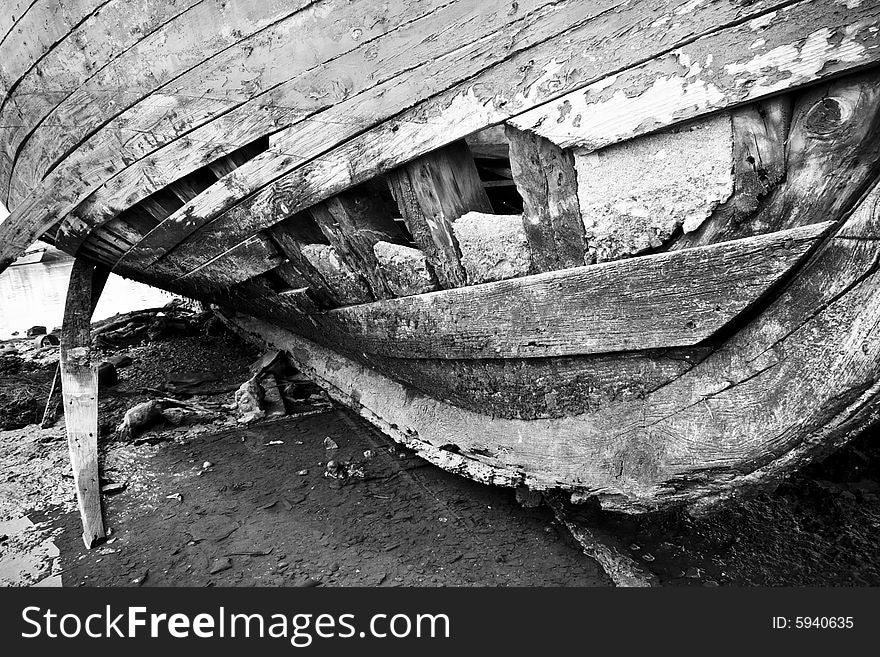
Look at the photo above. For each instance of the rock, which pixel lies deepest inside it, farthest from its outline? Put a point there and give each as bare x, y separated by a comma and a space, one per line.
493, 246
138, 417
120, 361
220, 565
206, 465
329, 443
303, 473
113, 489
406, 270
635, 195
34, 331
248, 399
175, 416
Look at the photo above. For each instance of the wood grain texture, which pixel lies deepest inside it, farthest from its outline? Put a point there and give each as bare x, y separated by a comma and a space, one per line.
501, 90
664, 300
353, 222
711, 73
478, 102
77, 40
159, 86
547, 181
79, 385
347, 37
432, 192
797, 381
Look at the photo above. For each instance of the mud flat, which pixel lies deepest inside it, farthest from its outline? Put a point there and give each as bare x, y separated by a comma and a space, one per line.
273, 502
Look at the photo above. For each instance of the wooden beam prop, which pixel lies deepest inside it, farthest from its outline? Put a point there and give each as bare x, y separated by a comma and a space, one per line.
547, 181
432, 192
79, 385
664, 300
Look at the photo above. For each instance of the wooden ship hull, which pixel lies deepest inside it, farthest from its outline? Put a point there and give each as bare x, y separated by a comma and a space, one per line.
625, 251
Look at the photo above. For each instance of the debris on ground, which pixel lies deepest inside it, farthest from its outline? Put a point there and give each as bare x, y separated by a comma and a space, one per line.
315, 496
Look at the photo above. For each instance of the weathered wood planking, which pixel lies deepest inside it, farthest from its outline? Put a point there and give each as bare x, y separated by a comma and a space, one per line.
317, 83
658, 301
79, 385
34, 26
308, 92
41, 24
163, 74
353, 222
547, 181
433, 192
502, 89
585, 29
15, 10
70, 61
797, 381
393, 83
755, 59
478, 102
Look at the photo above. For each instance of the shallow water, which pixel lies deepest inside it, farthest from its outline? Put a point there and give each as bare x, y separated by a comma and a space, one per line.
34, 295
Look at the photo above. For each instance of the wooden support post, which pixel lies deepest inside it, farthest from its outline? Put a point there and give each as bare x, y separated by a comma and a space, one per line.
79, 384
432, 192
547, 181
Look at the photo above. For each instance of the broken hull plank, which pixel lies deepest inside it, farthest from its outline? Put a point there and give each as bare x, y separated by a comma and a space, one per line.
797, 381
442, 77
489, 99
659, 301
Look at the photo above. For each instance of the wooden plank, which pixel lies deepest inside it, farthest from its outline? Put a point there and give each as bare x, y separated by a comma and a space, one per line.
79, 384
65, 33
303, 99
432, 192
481, 101
353, 222
252, 257
169, 63
245, 72
797, 381
349, 286
547, 181
695, 80
291, 235
658, 301
582, 24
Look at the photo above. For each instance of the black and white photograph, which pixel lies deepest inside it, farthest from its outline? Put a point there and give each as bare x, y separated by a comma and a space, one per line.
438, 294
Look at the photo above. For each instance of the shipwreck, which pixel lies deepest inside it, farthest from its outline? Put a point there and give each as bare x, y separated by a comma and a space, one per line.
624, 250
